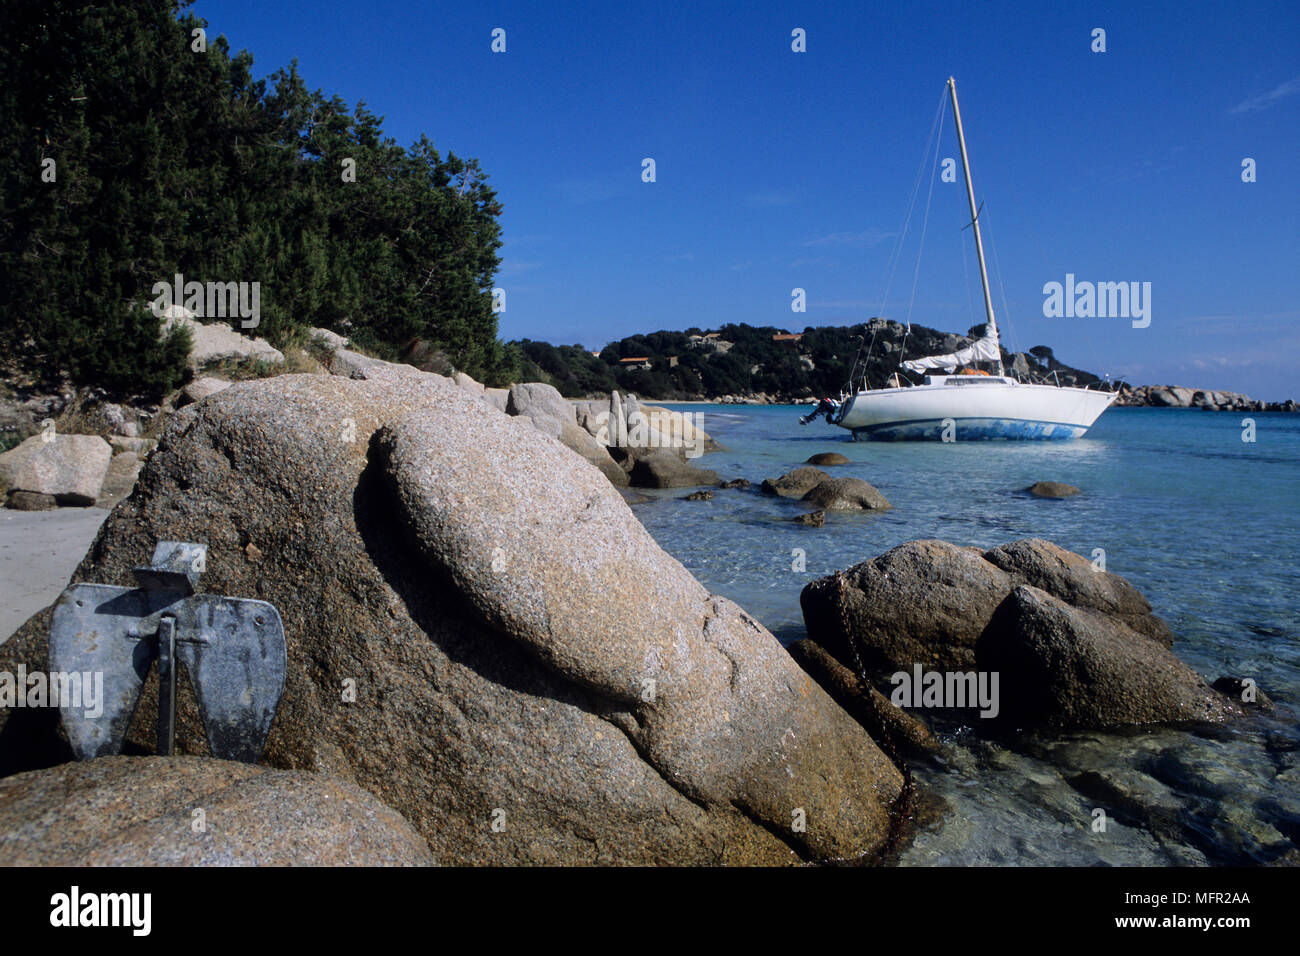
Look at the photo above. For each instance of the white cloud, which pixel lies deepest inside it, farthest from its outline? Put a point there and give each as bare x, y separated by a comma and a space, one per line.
1264, 100
868, 237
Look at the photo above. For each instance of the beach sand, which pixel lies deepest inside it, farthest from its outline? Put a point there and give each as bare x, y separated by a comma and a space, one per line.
39, 550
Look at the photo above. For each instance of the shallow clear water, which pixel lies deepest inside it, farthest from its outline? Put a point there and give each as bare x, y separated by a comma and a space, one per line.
1201, 522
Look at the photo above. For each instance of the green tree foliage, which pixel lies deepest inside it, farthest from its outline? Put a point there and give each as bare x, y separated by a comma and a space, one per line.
172, 160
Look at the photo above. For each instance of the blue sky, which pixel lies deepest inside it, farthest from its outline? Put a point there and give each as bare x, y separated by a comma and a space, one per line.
777, 170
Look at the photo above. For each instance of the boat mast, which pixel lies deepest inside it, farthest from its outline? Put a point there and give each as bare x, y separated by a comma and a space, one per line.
975, 221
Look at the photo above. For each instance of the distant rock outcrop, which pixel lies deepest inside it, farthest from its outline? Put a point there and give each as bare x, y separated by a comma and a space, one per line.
1179, 396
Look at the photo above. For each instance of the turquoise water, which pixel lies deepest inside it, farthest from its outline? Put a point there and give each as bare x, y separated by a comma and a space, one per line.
1201, 522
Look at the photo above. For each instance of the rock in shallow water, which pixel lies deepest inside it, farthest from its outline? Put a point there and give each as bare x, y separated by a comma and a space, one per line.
929, 601
1051, 489
517, 646
666, 469
139, 811
795, 484
1075, 646
1068, 667
816, 519
847, 494
827, 458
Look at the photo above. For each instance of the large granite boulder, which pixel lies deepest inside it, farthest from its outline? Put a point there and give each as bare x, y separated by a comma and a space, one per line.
70, 468
1068, 668
538, 398
922, 602
195, 811
929, 601
871, 708
488, 642
1077, 581
553, 414
120, 479
471, 385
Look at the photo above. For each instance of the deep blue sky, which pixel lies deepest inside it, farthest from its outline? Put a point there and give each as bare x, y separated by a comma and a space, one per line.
777, 169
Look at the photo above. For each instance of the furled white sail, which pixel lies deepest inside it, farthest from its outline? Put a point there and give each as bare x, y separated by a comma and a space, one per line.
981, 350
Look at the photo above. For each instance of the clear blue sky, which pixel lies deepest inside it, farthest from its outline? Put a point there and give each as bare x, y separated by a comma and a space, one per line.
778, 170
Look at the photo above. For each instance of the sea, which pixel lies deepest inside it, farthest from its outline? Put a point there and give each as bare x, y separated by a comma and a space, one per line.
1197, 509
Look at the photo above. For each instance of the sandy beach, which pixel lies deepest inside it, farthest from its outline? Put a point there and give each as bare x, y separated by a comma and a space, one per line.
38, 552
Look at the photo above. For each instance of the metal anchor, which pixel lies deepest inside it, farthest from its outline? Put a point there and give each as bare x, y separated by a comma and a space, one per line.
233, 649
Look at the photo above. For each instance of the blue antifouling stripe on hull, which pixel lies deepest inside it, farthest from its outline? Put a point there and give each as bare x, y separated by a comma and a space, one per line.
972, 429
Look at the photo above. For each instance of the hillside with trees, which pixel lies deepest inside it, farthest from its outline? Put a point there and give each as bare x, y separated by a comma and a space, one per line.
763, 362
153, 151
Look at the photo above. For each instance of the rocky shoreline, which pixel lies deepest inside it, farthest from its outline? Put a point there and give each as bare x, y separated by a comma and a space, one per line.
456, 568
1178, 396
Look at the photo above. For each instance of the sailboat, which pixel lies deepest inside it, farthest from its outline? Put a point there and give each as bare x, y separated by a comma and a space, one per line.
966, 407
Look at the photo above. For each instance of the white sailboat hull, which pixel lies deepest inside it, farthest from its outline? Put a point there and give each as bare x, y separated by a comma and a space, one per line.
973, 408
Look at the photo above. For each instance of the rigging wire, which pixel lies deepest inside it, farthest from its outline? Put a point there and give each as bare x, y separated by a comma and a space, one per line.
897, 254
925, 224
936, 134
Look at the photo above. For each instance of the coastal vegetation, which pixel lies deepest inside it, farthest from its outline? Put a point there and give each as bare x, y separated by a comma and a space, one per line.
153, 151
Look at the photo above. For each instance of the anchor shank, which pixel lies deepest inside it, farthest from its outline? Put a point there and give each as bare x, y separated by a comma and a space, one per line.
166, 685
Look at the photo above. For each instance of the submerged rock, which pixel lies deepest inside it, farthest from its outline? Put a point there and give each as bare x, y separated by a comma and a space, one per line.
1244, 692
1051, 489
737, 483
699, 496
847, 494
139, 811
795, 484
827, 458
815, 518
488, 642
1077, 581
924, 601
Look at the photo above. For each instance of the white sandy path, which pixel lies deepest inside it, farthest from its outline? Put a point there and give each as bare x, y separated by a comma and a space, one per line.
39, 550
